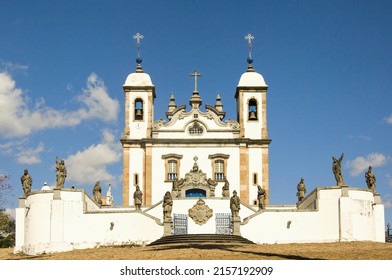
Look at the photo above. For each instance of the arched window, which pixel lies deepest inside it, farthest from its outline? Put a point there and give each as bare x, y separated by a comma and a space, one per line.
138, 110
252, 110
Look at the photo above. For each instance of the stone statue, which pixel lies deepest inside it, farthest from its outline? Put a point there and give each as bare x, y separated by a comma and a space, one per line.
97, 193
337, 170
167, 207
138, 198
225, 188
176, 189
370, 179
301, 190
261, 197
235, 205
109, 197
61, 173
26, 182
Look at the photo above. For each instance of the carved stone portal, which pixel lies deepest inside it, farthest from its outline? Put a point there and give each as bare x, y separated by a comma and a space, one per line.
195, 179
200, 212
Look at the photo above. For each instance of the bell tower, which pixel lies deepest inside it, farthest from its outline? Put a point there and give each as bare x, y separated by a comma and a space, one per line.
251, 96
139, 94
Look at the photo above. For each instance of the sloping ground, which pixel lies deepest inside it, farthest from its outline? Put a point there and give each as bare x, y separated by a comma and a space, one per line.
224, 251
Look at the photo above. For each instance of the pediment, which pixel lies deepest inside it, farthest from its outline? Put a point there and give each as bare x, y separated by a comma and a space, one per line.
181, 120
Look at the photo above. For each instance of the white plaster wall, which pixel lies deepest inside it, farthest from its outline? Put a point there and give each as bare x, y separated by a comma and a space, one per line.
255, 166
136, 165
61, 225
54, 225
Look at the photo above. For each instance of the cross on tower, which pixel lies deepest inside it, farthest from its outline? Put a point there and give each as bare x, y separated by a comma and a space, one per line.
138, 37
249, 37
195, 74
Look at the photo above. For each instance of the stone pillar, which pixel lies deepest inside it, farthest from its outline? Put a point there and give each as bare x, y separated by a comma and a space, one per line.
167, 227
22, 202
57, 194
236, 225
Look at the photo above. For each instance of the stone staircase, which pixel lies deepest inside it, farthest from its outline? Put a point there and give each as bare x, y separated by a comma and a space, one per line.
201, 239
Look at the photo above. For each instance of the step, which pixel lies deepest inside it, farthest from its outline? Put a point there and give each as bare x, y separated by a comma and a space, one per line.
201, 238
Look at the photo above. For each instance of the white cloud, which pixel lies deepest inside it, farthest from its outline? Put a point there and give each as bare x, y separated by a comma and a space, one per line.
22, 153
30, 155
359, 164
90, 165
389, 119
13, 67
18, 120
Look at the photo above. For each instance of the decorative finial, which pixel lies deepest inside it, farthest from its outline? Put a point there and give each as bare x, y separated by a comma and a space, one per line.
138, 37
250, 37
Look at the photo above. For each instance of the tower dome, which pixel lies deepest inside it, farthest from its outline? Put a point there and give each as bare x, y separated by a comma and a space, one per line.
252, 79
138, 79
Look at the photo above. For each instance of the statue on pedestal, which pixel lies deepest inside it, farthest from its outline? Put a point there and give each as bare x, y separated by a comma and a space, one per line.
301, 190
167, 207
138, 198
337, 170
261, 197
235, 205
97, 193
370, 179
61, 173
26, 182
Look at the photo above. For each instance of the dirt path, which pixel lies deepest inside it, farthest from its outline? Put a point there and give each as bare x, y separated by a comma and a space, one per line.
324, 251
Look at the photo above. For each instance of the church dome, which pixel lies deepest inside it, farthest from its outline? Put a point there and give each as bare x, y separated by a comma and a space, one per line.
138, 79
251, 79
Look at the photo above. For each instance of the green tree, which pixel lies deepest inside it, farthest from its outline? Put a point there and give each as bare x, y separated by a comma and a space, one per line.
7, 223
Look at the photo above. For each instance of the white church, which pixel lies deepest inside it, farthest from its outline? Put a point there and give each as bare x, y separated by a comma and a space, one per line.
200, 158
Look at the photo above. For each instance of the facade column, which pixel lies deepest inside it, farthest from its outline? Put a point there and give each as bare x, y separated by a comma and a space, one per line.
244, 173
125, 187
147, 189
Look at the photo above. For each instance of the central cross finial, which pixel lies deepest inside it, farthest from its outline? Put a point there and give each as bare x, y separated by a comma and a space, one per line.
250, 37
138, 37
195, 74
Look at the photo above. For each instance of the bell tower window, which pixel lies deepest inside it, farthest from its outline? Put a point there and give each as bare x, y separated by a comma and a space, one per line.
138, 110
252, 110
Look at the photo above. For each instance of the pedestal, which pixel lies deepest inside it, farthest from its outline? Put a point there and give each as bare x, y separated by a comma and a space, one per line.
236, 222
167, 228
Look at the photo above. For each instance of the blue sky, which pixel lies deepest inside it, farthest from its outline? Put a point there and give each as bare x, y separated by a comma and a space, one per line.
327, 63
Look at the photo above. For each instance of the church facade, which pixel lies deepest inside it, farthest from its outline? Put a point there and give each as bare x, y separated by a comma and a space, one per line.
194, 173
158, 154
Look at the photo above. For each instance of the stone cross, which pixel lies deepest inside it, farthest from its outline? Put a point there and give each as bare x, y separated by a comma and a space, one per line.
195, 74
